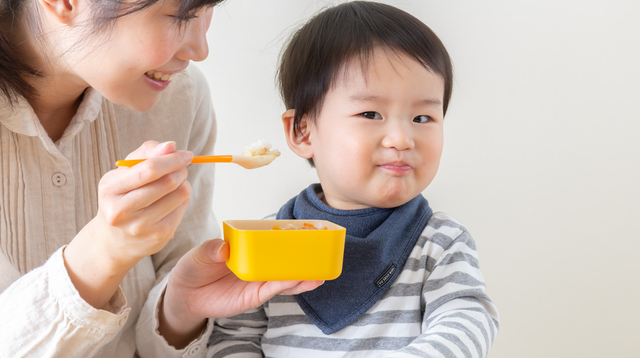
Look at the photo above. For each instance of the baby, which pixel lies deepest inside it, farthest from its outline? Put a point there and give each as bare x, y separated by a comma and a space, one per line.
367, 86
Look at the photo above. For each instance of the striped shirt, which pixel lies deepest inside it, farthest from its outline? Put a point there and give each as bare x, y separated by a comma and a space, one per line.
437, 307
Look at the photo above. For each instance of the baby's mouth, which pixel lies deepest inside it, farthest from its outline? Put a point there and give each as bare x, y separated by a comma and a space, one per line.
159, 76
398, 168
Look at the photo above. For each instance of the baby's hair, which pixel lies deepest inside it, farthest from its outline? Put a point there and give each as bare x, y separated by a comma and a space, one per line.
13, 70
320, 50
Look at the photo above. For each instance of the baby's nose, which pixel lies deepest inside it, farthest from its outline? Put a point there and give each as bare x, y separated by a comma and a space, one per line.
398, 134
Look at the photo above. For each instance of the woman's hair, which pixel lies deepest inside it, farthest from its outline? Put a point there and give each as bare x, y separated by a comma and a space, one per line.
319, 51
14, 72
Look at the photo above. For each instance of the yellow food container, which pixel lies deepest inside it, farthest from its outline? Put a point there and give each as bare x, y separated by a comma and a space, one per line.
259, 253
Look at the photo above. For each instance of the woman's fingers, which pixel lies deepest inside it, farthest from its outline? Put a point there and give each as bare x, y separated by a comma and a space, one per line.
151, 148
148, 171
214, 252
169, 203
170, 219
151, 202
141, 207
201, 285
150, 194
272, 288
301, 287
144, 172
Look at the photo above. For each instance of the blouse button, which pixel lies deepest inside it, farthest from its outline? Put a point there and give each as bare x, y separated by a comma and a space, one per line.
194, 351
59, 179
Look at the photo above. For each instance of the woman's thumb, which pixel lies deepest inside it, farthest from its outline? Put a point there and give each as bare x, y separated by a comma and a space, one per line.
211, 252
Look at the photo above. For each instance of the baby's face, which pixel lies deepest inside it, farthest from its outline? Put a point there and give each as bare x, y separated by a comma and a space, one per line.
378, 138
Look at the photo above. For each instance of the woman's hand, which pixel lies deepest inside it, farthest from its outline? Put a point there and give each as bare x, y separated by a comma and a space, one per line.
139, 210
142, 206
201, 285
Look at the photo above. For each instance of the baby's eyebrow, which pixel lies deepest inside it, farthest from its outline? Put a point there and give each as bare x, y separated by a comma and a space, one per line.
430, 101
364, 98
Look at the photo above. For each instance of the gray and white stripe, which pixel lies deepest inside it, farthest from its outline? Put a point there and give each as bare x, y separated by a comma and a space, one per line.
437, 307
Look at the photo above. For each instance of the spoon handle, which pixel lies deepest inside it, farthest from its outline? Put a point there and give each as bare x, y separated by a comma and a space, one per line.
196, 160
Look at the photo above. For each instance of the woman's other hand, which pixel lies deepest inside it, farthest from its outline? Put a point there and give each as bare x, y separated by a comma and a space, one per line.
201, 285
139, 210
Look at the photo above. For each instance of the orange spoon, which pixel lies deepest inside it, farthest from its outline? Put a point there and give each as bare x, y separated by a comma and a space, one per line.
245, 161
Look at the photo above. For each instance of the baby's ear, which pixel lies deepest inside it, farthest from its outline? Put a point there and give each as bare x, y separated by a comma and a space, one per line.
62, 10
300, 142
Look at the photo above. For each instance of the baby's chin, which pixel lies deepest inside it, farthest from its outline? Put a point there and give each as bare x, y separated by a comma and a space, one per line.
388, 202
395, 198
360, 203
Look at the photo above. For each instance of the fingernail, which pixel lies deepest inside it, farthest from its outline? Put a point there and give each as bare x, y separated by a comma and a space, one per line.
220, 247
167, 144
188, 156
217, 250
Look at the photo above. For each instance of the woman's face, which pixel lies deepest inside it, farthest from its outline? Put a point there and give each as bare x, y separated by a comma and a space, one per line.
133, 62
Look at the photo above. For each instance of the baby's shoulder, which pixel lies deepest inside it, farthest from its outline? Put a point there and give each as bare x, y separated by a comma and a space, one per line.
443, 230
444, 223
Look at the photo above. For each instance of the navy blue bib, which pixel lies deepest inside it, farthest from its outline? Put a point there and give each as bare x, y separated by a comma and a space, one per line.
378, 243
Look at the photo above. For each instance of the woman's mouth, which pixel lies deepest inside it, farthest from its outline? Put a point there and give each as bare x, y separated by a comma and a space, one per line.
158, 81
159, 76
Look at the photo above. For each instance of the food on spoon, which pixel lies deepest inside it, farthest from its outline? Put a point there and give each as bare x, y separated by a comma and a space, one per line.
260, 147
305, 226
256, 155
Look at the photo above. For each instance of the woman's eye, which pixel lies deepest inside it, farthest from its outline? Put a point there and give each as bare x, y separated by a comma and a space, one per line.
371, 115
421, 119
183, 19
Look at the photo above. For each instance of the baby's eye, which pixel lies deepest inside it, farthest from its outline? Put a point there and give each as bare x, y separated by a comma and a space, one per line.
371, 115
421, 119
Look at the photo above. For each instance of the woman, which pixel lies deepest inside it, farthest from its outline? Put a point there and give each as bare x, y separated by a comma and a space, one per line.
85, 249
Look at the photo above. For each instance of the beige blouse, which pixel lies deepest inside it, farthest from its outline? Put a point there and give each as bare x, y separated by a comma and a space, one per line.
49, 192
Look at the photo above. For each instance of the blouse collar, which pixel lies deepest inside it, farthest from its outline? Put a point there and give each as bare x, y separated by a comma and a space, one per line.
20, 118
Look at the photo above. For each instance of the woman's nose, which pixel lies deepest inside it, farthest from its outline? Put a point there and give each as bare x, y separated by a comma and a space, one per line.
194, 45
398, 134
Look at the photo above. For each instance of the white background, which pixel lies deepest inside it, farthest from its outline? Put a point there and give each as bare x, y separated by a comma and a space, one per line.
541, 159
